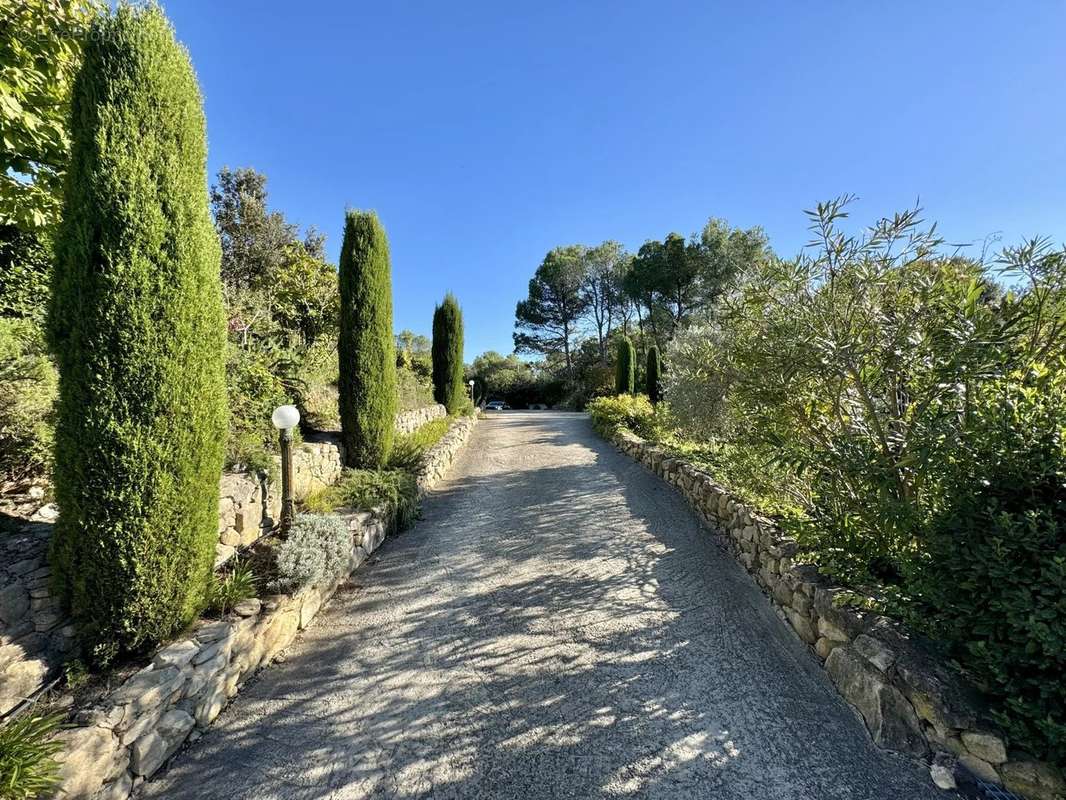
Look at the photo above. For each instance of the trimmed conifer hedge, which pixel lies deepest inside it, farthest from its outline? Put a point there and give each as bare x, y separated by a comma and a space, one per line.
625, 378
138, 330
448, 388
366, 347
653, 374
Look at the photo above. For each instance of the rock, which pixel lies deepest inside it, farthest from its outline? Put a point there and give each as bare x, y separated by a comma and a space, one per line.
145, 692
985, 746
942, 771
48, 513
823, 647
877, 653
802, 604
87, 759
177, 654
830, 631
223, 553
280, 632
783, 594
14, 603
213, 649
212, 631
230, 538
802, 625
1034, 780
889, 717
118, 789
35, 493
151, 750
312, 602
980, 768
19, 681
248, 608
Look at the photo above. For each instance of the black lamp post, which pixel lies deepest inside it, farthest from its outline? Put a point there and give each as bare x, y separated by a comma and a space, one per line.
285, 418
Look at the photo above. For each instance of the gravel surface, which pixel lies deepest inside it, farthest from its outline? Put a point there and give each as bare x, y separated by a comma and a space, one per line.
558, 625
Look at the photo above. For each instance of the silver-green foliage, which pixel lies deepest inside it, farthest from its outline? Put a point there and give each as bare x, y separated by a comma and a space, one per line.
315, 552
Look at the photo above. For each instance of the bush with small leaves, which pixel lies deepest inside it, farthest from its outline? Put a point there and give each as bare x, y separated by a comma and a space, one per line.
315, 552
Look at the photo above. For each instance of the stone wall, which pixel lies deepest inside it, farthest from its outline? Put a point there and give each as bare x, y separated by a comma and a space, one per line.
122, 740
909, 699
35, 638
409, 421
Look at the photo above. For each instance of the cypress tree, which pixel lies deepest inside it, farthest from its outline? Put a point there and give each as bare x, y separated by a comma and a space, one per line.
625, 379
653, 374
448, 388
138, 330
366, 347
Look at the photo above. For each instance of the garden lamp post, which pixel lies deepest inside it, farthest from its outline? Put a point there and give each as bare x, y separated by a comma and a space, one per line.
470, 383
285, 418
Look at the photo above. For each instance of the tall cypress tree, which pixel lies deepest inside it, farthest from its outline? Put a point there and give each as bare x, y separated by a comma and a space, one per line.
625, 378
448, 387
138, 330
653, 374
366, 347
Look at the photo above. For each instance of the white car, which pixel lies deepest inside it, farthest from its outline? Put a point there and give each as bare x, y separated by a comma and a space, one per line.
496, 405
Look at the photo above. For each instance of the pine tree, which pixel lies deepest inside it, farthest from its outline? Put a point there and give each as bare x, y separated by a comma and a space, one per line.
653, 374
366, 347
625, 379
138, 330
448, 387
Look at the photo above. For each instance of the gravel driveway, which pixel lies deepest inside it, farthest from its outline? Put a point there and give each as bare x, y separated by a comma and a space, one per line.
558, 625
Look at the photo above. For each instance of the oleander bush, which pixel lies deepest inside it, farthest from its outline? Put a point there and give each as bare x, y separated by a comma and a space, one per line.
28, 767
136, 323
314, 552
366, 347
902, 409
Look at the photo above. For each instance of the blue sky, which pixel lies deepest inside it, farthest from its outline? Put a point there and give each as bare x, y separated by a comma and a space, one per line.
486, 133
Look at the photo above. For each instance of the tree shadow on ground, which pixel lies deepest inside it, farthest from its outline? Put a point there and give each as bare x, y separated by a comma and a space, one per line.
558, 625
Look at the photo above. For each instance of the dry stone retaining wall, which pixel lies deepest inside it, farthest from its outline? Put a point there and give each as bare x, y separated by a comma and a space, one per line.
410, 421
910, 701
119, 743
35, 637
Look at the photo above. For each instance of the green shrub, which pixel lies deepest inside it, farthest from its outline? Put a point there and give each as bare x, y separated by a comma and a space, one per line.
993, 580
231, 588
409, 448
366, 348
366, 489
27, 395
137, 326
315, 551
448, 387
28, 768
625, 378
653, 374
633, 412
412, 390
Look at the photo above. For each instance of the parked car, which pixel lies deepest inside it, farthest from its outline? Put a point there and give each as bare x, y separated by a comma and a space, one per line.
496, 405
